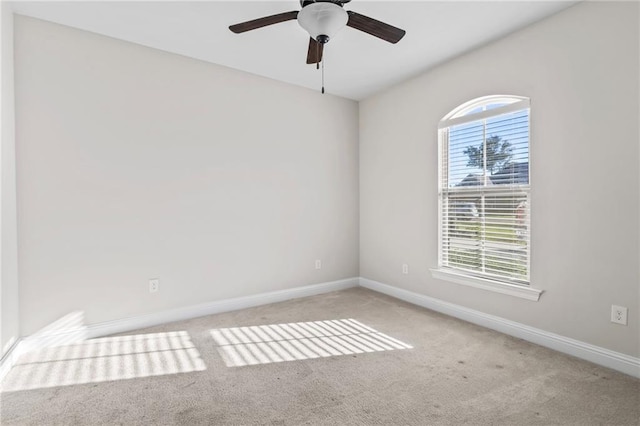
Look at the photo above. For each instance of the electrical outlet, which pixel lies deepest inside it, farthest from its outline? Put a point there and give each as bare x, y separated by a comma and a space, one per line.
405, 269
318, 264
619, 314
154, 285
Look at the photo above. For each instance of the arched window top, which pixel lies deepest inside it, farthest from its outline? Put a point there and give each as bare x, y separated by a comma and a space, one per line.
478, 108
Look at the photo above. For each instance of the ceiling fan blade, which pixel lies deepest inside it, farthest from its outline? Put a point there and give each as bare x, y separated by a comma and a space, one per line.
263, 22
375, 28
314, 55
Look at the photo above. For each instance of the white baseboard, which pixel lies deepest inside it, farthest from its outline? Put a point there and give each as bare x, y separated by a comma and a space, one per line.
605, 357
76, 334
601, 356
217, 307
9, 358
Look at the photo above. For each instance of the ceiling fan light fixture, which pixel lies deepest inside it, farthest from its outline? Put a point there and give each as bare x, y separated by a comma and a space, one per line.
322, 20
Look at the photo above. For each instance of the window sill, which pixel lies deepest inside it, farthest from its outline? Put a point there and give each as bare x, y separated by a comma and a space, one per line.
485, 284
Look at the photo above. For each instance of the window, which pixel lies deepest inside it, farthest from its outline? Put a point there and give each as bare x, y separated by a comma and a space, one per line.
484, 190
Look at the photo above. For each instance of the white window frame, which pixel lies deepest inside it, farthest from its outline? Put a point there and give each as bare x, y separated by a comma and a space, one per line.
460, 115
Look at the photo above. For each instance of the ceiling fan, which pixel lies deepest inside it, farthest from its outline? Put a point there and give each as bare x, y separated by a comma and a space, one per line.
322, 19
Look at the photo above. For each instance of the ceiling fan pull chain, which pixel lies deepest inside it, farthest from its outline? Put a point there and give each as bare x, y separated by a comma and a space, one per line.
317, 56
323, 75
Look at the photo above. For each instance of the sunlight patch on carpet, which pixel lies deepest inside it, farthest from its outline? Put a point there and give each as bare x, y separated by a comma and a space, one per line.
105, 359
264, 344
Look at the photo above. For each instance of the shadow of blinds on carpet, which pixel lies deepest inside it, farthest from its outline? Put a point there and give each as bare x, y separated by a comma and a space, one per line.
264, 344
105, 359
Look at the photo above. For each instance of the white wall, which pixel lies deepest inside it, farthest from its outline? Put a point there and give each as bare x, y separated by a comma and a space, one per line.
9, 319
580, 69
135, 163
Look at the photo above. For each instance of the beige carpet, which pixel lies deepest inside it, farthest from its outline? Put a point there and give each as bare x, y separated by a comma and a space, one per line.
349, 357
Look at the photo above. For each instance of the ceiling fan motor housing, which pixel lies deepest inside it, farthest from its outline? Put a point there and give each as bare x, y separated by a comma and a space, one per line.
303, 3
322, 20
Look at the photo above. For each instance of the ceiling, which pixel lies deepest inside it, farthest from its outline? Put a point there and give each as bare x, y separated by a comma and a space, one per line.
357, 65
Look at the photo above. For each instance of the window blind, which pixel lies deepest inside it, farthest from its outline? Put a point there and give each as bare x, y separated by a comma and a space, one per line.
484, 193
